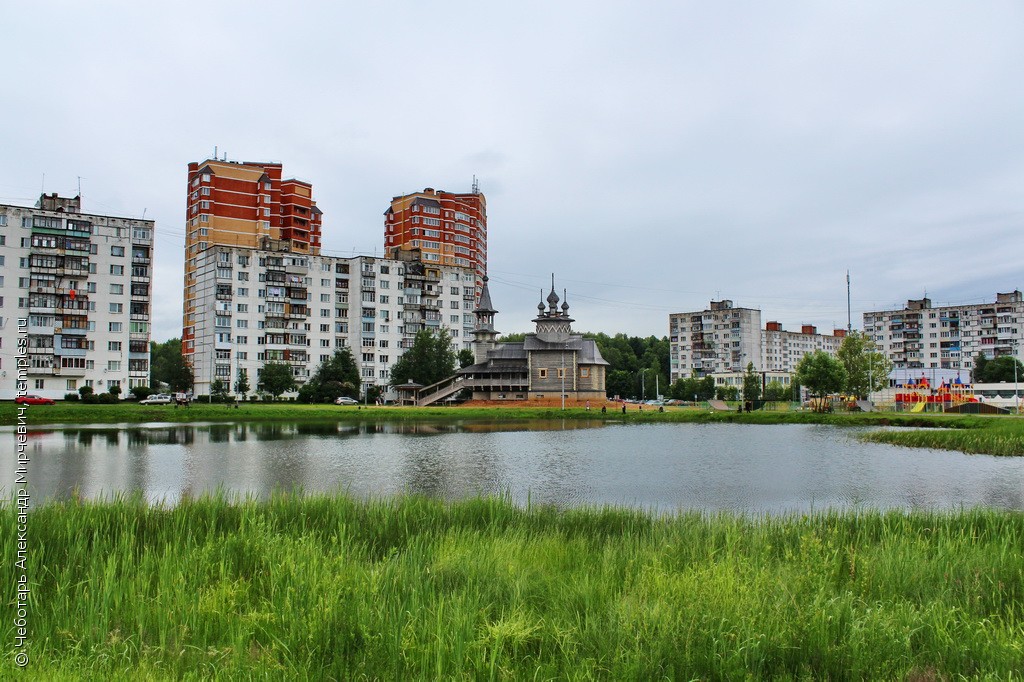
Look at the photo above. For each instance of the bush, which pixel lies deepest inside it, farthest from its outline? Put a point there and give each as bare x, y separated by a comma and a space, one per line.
141, 392
71, 397
85, 392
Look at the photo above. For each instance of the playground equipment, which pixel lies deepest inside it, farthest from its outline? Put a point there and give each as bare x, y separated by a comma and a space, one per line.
918, 394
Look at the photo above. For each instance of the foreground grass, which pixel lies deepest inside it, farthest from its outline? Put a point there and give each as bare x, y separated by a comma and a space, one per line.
333, 588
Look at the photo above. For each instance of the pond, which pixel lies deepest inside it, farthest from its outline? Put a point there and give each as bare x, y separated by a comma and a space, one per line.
665, 467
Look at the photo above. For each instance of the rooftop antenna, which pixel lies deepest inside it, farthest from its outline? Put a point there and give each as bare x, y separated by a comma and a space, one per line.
144, 213
476, 186
79, 186
215, 152
42, 185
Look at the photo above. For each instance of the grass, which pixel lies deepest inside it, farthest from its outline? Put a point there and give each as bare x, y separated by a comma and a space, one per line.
995, 437
131, 413
327, 587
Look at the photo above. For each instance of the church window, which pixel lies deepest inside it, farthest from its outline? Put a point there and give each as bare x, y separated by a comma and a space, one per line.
543, 373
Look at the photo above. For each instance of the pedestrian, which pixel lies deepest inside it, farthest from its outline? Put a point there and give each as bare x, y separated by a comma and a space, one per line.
623, 408
588, 406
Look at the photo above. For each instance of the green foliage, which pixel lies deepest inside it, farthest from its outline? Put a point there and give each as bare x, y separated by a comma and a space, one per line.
71, 397
867, 369
412, 588
275, 378
776, 392
242, 386
466, 357
141, 392
1003, 368
168, 366
114, 390
337, 376
751, 384
85, 391
219, 391
627, 356
727, 393
980, 363
430, 359
821, 374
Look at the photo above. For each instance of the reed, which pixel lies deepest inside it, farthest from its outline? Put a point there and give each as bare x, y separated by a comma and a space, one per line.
328, 587
999, 437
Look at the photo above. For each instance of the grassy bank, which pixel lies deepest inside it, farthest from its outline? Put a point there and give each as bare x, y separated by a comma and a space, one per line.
133, 413
994, 437
328, 587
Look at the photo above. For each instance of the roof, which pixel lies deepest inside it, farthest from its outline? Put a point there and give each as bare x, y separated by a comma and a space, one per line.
587, 351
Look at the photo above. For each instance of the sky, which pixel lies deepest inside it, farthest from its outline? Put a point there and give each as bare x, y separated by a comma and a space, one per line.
654, 156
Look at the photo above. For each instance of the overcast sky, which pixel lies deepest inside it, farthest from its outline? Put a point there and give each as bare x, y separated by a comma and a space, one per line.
653, 155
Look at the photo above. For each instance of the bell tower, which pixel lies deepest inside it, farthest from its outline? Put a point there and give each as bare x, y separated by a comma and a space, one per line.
484, 335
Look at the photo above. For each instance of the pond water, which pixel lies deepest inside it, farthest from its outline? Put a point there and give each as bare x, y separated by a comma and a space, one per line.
665, 467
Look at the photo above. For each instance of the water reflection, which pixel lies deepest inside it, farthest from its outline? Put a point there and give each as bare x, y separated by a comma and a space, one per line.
756, 469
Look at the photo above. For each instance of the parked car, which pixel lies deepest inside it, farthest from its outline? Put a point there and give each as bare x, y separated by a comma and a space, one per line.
33, 400
157, 399
345, 400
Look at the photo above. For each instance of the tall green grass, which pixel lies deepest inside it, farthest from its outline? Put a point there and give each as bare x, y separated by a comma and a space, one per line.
1003, 437
334, 588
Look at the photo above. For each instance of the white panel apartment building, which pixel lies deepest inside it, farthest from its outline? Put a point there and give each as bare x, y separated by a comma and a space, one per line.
263, 305
79, 286
920, 337
722, 339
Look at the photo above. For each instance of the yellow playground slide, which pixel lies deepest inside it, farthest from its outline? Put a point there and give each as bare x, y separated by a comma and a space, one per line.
918, 407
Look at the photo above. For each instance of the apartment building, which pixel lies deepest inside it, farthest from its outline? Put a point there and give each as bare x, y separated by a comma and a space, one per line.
921, 337
446, 228
721, 338
78, 285
255, 306
783, 350
242, 204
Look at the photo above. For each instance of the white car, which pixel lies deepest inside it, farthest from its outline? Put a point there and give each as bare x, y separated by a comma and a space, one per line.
157, 399
345, 400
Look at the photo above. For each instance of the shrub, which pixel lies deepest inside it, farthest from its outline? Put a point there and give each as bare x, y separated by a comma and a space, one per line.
71, 397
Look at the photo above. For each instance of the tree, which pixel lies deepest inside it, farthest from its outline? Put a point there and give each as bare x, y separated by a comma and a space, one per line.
466, 357
275, 378
335, 377
821, 373
751, 384
168, 366
867, 370
429, 360
727, 393
1002, 368
775, 392
242, 387
980, 365
114, 390
219, 390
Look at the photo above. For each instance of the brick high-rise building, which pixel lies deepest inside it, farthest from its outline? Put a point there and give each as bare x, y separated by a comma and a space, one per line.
447, 228
247, 205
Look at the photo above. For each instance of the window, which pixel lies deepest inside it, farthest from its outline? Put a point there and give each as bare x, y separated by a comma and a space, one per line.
584, 372
114, 346
115, 327
116, 269
542, 373
117, 288
117, 308
117, 251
